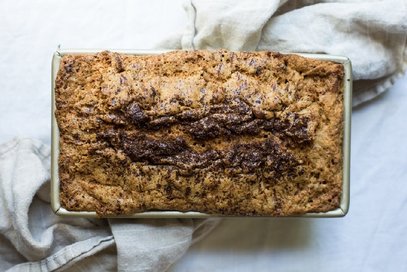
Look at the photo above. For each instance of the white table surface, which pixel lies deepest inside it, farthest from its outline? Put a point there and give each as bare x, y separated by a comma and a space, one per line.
372, 237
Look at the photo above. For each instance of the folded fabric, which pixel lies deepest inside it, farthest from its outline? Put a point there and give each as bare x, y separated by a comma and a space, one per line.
33, 238
371, 33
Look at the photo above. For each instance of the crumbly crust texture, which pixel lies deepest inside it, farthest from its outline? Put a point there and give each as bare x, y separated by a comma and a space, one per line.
219, 132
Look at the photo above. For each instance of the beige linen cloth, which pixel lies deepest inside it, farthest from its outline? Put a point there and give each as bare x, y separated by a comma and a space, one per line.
371, 33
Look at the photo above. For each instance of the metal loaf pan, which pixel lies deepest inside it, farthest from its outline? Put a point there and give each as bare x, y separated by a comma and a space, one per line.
339, 212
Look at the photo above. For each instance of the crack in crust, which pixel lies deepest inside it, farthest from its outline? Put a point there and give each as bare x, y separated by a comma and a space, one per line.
239, 158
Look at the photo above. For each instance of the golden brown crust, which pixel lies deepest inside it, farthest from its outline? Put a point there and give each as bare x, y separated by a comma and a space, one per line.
221, 132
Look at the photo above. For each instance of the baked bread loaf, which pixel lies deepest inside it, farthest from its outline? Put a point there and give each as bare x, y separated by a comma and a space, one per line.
219, 132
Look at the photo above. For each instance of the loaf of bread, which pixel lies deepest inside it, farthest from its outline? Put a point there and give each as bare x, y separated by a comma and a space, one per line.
218, 132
